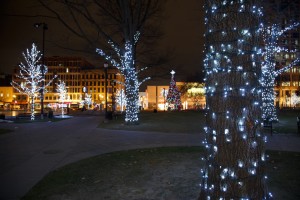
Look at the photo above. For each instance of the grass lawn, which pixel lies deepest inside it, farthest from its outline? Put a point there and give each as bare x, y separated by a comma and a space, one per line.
173, 122
287, 122
160, 173
192, 122
156, 173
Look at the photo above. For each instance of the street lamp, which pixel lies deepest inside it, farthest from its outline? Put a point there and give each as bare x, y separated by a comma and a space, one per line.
164, 99
112, 82
45, 27
105, 68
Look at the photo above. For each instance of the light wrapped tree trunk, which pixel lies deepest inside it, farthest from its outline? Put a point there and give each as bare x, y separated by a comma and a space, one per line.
235, 159
132, 97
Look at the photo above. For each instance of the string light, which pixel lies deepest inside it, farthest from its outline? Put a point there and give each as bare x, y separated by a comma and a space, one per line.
173, 97
121, 98
88, 100
271, 35
31, 77
126, 66
62, 92
234, 144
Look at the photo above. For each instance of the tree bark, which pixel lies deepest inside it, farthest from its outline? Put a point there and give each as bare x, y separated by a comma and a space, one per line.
235, 156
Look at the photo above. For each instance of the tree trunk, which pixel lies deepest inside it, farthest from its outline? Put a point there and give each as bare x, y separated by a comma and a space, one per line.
32, 108
235, 156
132, 98
131, 85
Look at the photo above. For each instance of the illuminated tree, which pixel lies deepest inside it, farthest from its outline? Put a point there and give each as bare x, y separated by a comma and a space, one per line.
295, 99
121, 99
62, 90
116, 26
235, 157
127, 68
88, 100
30, 77
271, 36
173, 97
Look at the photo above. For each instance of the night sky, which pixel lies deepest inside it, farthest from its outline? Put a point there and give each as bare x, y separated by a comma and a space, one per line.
182, 28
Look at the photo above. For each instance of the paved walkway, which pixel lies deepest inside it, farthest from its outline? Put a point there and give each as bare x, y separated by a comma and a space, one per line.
34, 149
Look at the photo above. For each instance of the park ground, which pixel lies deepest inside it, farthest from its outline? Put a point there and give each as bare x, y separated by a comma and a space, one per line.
157, 173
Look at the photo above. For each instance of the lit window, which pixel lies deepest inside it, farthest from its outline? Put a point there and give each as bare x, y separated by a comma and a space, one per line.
285, 83
287, 56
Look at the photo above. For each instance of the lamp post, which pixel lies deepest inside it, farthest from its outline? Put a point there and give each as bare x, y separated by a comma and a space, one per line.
164, 99
112, 82
105, 68
45, 27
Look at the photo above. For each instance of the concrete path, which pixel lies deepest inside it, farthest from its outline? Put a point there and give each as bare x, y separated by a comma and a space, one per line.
35, 149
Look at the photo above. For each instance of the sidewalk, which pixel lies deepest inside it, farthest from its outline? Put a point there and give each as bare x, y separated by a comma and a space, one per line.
35, 149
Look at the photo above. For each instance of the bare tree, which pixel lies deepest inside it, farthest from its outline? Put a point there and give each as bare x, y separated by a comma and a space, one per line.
30, 77
235, 158
116, 26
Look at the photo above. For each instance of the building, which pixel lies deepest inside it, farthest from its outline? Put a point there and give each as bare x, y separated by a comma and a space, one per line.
7, 97
192, 96
81, 78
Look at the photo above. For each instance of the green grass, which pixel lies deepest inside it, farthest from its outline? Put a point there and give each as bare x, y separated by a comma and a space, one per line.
287, 122
107, 174
191, 122
173, 122
284, 174
130, 174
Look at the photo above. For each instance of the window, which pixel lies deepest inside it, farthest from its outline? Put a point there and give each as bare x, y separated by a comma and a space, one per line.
286, 56
285, 84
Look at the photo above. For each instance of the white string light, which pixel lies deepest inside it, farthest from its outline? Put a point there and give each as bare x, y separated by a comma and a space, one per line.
126, 66
30, 77
233, 68
271, 36
62, 92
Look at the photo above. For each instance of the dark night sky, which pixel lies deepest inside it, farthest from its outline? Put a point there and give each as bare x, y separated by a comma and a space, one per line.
182, 27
